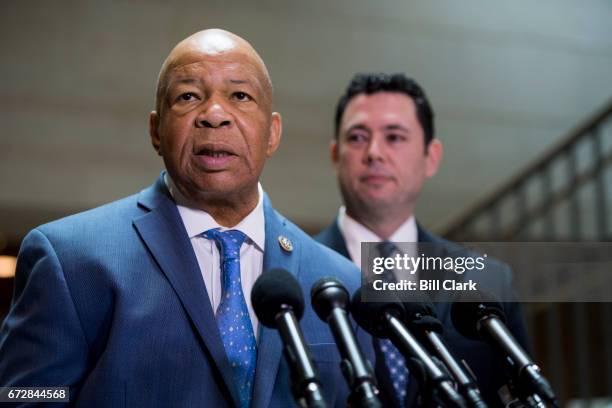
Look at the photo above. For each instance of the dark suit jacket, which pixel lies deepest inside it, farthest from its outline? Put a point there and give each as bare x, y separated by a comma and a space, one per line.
483, 359
111, 303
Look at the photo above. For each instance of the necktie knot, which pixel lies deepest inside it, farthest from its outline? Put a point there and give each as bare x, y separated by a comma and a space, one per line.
386, 248
230, 242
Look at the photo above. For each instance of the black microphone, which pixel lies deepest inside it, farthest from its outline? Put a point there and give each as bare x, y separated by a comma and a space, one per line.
480, 316
278, 303
421, 319
330, 300
385, 320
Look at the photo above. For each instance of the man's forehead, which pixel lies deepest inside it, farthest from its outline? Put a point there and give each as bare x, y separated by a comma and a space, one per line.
379, 105
192, 63
377, 100
235, 66
379, 111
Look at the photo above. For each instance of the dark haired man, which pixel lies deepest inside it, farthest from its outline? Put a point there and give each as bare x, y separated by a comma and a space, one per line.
383, 151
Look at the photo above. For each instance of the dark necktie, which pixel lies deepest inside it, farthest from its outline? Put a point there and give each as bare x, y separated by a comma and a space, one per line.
233, 315
398, 373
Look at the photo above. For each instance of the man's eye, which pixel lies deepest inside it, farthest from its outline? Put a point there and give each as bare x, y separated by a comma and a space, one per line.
395, 138
242, 96
355, 138
187, 96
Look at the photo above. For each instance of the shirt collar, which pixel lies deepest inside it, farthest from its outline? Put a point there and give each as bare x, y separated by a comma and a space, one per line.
355, 233
197, 221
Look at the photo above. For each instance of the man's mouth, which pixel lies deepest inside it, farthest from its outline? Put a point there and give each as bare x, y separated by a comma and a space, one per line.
375, 179
214, 153
376, 176
215, 157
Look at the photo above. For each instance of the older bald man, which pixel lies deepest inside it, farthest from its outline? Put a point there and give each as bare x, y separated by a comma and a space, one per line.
146, 301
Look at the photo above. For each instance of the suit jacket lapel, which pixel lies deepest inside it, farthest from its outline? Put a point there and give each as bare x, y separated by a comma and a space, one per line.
270, 345
164, 234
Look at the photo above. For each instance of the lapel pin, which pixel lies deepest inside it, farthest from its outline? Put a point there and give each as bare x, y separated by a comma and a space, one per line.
285, 243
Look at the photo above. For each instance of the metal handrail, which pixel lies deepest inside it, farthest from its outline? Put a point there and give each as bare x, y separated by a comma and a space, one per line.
456, 226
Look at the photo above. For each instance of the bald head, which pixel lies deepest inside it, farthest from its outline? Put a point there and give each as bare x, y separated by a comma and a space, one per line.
209, 43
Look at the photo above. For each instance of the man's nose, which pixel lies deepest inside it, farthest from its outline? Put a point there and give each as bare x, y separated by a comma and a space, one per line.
213, 115
374, 150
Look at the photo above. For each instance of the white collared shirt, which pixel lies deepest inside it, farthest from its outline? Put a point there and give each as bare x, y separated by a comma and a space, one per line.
355, 233
253, 225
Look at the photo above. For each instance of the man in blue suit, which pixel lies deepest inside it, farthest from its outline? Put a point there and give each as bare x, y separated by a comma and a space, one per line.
146, 301
383, 151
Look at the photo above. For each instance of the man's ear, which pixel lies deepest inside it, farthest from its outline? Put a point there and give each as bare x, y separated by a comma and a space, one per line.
433, 157
154, 131
333, 151
276, 130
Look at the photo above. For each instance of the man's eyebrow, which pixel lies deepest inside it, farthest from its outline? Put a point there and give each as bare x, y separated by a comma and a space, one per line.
396, 126
252, 83
185, 80
358, 126
245, 81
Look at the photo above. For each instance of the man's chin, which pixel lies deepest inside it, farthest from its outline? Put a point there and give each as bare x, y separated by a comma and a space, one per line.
378, 195
378, 202
224, 187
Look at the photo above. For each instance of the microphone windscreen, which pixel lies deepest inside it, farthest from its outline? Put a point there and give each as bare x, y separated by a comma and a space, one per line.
420, 305
473, 306
326, 294
274, 290
425, 323
371, 315
421, 314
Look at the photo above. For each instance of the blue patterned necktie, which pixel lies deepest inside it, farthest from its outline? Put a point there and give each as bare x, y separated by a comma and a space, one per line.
398, 373
233, 315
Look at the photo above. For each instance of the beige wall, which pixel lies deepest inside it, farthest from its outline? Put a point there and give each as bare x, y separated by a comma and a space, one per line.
506, 79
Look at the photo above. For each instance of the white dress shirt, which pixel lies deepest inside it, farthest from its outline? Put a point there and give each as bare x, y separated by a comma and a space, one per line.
197, 221
355, 233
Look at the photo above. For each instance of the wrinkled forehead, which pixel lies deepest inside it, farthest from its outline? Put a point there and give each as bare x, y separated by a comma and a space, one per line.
215, 47
193, 61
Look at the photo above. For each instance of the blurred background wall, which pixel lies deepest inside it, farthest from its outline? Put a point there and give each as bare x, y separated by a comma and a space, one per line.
507, 81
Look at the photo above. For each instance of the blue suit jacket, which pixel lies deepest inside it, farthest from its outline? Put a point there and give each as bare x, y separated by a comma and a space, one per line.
483, 359
111, 303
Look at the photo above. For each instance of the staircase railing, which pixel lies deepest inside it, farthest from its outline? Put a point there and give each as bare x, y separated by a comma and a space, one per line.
527, 206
